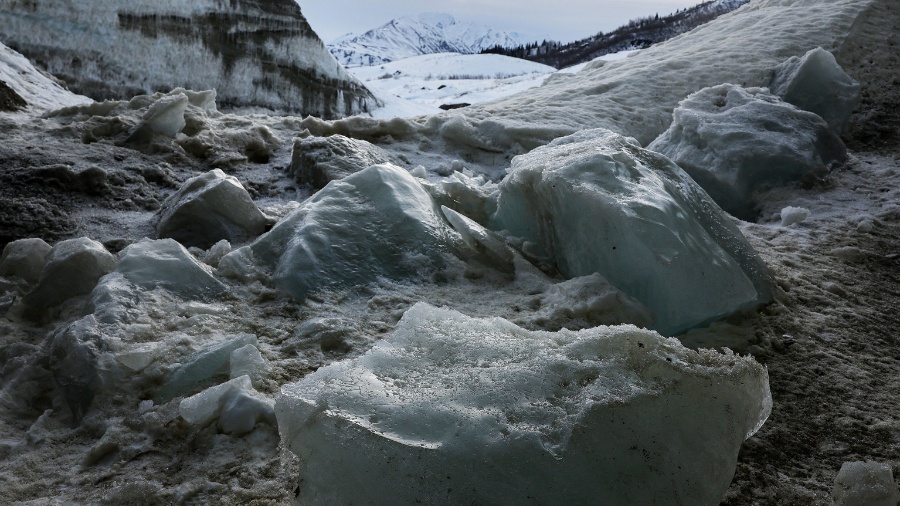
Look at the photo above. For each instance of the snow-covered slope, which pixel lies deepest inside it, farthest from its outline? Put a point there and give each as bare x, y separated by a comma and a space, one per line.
417, 35
427, 82
255, 54
36, 89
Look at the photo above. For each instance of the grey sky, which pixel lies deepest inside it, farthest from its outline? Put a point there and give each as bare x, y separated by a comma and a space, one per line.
564, 20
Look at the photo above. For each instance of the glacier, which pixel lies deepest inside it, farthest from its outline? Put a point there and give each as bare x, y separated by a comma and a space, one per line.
83, 419
256, 54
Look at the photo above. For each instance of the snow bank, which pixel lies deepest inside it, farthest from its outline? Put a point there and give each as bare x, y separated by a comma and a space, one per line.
210, 208
377, 222
635, 96
735, 141
597, 202
457, 410
816, 83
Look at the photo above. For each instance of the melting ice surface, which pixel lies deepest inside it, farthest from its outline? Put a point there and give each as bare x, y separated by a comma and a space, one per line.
454, 410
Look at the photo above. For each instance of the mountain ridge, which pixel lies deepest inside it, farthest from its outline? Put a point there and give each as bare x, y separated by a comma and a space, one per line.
425, 33
638, 33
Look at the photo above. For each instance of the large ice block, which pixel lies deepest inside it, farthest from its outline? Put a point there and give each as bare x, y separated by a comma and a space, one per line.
458, 410
599, 203
735, 141
816, 83
377, 222
72, 268
209, 208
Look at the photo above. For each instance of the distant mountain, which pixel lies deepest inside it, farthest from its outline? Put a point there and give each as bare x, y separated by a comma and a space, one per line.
423, 34
637, 34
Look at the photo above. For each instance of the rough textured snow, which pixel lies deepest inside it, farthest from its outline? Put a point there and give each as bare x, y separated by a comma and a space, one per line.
597, 202
454, 409
254, 54
417, 35
735, 142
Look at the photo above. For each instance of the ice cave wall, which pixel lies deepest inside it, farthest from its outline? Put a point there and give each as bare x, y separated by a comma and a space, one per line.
255, 54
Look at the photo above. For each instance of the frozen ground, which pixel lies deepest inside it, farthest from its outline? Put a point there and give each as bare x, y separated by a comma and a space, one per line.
829, 341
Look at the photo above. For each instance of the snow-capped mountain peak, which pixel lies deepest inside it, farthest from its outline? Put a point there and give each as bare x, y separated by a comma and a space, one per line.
417, 35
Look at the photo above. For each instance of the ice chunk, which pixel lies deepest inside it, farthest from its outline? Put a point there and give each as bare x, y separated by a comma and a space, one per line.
205, 100
138, 357
793, 215
203, 366
248, 361
865, 484
489, 247
165, 116
242, 409
204, 407
216, 252
165, 263
459, 410
816, 83
73, 268
237, 406
320, 160
72, 357
209, 208
472, 197
378, 222
24, 258
735, 141
597, 202
588, 301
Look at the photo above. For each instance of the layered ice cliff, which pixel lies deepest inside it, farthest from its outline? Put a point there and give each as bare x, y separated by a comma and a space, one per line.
255, 54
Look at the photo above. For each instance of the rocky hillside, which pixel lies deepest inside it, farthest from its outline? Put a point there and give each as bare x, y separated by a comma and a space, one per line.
637, 34
255, 54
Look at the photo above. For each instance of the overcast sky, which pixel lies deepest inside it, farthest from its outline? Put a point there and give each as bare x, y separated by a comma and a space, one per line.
564, 20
